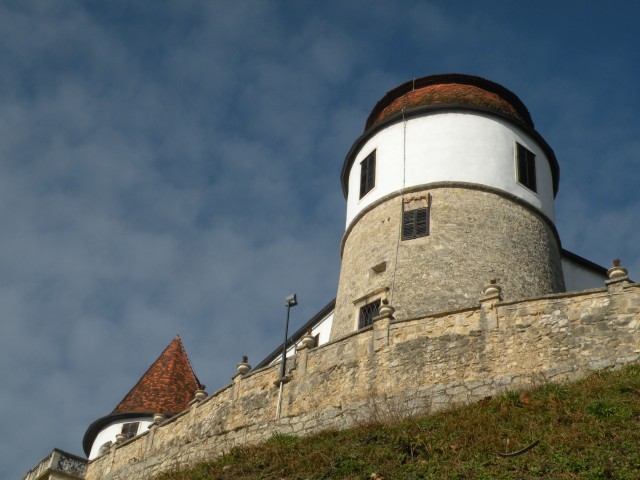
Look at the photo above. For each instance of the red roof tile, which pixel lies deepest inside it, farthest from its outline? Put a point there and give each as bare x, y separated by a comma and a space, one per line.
167, 386
452, 94
450, 89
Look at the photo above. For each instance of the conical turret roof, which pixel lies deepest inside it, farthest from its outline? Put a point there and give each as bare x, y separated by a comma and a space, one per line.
166, 387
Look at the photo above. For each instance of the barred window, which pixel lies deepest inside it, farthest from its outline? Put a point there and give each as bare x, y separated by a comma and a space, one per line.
415, 223
130, 429
526, 167
368, 313
367, 174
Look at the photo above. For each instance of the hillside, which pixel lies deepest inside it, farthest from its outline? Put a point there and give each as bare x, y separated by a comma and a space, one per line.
588, 429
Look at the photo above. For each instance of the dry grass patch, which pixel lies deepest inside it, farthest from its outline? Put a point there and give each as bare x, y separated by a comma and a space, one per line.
588, 429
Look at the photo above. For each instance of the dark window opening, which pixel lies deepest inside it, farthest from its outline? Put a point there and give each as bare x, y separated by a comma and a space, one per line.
367, 174
526, 167
415, 223
368, 313
130, 429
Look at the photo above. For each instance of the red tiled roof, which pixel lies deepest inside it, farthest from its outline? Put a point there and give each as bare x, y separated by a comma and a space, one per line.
167, 386
453, 94
450, 89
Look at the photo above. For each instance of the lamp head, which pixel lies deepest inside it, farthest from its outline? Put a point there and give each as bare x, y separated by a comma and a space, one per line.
291, 300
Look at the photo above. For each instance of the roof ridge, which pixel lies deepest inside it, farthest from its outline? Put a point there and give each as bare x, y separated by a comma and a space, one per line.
200, 385
177, 337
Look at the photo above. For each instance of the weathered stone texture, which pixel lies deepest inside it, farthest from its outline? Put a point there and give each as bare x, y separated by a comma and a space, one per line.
58, 465
475, 235
398, 368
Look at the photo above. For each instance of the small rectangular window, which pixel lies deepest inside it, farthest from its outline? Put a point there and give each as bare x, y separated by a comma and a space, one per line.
415, 223
130, 429
367, 174
368, 313
526, 167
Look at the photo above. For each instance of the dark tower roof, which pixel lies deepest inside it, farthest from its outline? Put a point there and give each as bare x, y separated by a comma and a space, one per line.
167, 387
448, 90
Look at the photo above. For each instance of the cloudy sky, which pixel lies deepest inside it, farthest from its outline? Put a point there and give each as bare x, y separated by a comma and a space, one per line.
172, 167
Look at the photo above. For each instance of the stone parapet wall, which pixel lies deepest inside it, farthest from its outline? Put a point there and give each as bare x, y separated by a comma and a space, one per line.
398, 368
476, 233
58, 465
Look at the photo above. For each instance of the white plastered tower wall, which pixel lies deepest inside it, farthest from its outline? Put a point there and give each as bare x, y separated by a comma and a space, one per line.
459, 160
449, 147
108, 434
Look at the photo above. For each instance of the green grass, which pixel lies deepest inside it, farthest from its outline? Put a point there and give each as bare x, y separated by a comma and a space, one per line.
587, 430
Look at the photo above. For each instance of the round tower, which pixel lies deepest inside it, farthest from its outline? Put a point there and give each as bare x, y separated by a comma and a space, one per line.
449, 186
166, 388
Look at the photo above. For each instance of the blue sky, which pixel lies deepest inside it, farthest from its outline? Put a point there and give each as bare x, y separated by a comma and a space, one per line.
173, 168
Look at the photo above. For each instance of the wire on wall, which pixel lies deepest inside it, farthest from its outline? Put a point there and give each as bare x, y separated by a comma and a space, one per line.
404, 181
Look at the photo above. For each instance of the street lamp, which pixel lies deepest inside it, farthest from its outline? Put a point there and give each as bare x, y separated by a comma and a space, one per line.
290, 301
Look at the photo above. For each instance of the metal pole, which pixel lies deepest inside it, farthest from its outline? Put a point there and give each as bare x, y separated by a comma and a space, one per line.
279, 400
292, 301
284, 345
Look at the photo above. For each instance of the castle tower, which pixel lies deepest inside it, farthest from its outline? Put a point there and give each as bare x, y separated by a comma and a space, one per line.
448, 187
166, 388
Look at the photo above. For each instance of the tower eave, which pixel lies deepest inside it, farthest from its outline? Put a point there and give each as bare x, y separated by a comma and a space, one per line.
94, 429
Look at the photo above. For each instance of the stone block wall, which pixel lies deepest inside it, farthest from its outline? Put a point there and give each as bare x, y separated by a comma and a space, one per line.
476, 233
395, 368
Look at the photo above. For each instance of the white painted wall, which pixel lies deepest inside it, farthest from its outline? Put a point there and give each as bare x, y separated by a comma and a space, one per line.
108, 434
323, 328
465, 147
579, 277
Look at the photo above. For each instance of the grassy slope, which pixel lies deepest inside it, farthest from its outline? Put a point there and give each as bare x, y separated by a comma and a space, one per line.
588, 429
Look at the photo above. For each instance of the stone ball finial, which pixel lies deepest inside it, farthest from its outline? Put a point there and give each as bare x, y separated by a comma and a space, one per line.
201, 394
492, 288
617, 271
243, 367
158, 418
307, 340
386, 310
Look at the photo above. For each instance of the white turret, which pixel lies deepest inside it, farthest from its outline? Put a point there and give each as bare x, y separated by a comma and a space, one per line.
449, 186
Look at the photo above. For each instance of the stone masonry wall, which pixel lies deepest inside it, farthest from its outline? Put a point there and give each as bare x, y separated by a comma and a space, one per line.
475, 235
398, 367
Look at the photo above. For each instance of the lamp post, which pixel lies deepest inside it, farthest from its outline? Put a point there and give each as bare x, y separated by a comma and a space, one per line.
290, 301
